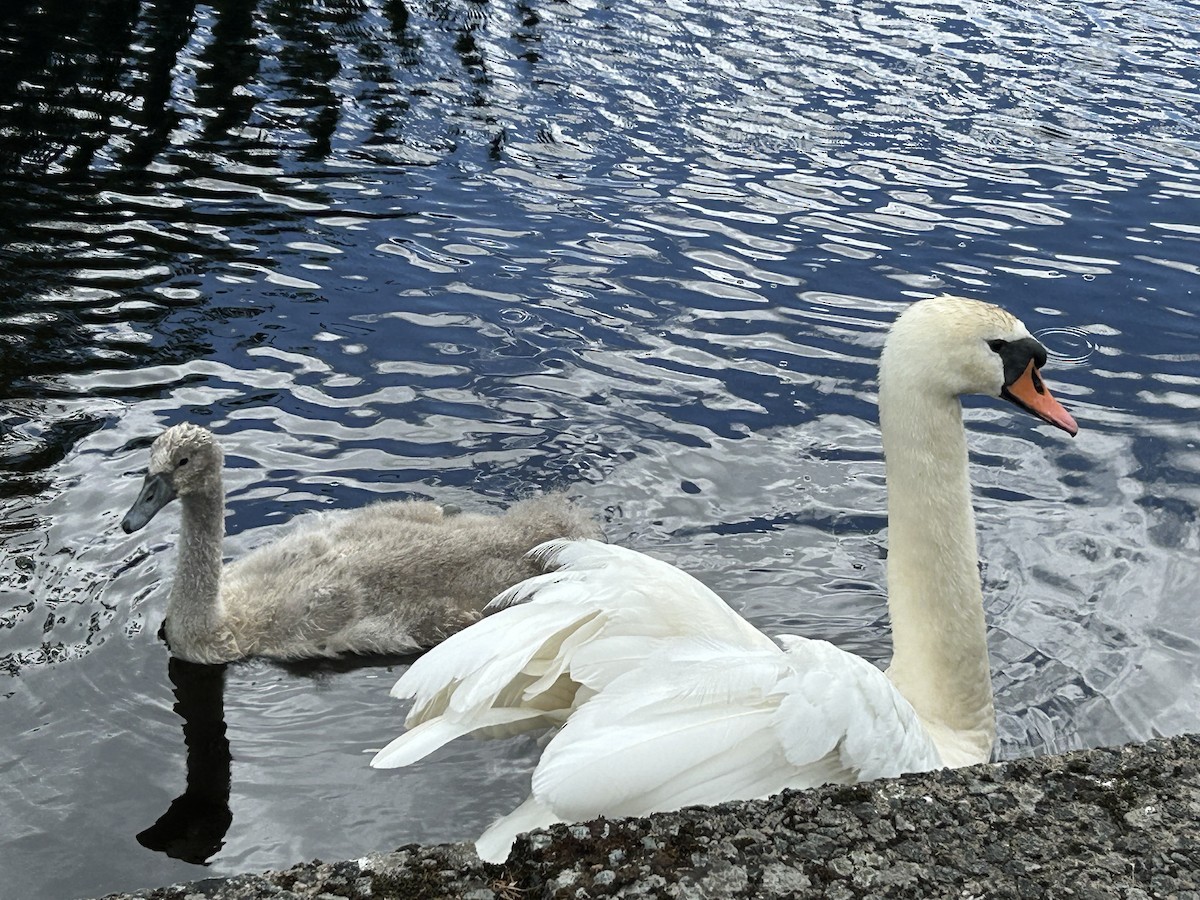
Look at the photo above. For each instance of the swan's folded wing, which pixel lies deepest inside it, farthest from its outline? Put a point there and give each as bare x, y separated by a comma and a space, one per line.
646, 594
667, 697
419, 742
704, 722
600, 614
837, 703
693, 724
495, 843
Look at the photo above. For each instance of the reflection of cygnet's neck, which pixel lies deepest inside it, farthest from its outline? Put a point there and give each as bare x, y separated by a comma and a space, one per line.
193, 828
195, 607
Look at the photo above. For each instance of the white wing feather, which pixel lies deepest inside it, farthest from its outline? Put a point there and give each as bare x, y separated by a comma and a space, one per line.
835, 701
666, 697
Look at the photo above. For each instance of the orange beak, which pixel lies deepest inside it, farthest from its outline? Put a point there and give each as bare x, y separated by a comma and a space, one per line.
1030, 392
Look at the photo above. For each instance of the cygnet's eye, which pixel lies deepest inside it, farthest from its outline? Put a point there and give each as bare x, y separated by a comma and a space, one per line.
182, 462
997, 345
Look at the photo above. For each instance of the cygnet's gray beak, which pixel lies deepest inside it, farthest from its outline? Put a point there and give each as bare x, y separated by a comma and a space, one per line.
157, 492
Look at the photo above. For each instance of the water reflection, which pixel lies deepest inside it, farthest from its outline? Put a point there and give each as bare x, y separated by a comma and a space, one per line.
646, 252
146, 78
193, 828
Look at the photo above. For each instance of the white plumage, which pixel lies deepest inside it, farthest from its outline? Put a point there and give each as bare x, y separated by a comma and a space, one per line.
634, 656
663, 696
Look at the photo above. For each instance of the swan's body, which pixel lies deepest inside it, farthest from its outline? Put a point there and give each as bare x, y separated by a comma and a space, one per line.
392, 577
664, 696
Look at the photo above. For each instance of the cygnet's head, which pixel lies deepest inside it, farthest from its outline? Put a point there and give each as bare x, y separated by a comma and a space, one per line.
951, 346
185, 459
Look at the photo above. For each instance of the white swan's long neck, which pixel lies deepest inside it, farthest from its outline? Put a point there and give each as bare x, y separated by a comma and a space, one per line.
195, 604
940, 660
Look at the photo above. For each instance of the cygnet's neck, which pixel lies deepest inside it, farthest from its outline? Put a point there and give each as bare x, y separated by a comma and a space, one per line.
939, 660
195, 604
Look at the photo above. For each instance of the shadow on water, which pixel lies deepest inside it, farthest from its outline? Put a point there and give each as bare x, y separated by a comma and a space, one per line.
319, 669
193, 828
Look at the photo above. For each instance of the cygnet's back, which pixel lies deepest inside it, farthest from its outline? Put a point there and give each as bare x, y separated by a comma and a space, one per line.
392, 577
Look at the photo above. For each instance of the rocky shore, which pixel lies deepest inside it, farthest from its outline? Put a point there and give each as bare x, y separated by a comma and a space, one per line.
1121, 822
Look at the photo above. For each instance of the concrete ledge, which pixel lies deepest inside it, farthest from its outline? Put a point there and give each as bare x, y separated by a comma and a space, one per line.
1122, 822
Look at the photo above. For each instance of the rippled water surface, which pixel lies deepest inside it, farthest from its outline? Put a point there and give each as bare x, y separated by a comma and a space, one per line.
641, 251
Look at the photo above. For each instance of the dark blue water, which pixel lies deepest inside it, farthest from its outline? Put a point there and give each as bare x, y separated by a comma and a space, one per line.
642, 251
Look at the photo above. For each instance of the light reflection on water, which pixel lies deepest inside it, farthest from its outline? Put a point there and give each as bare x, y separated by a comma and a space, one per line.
645, 253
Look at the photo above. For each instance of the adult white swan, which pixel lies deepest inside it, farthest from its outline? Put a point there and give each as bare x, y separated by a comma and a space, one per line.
665, 697
392, 577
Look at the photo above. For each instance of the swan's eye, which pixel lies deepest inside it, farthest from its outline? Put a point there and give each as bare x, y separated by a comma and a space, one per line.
182, 462
997, 345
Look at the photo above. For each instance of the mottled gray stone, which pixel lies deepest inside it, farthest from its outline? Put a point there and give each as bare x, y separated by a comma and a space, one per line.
1108, 823
779, 878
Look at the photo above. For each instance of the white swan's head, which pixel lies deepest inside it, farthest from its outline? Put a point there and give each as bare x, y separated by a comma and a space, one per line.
949, 346
184, 459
